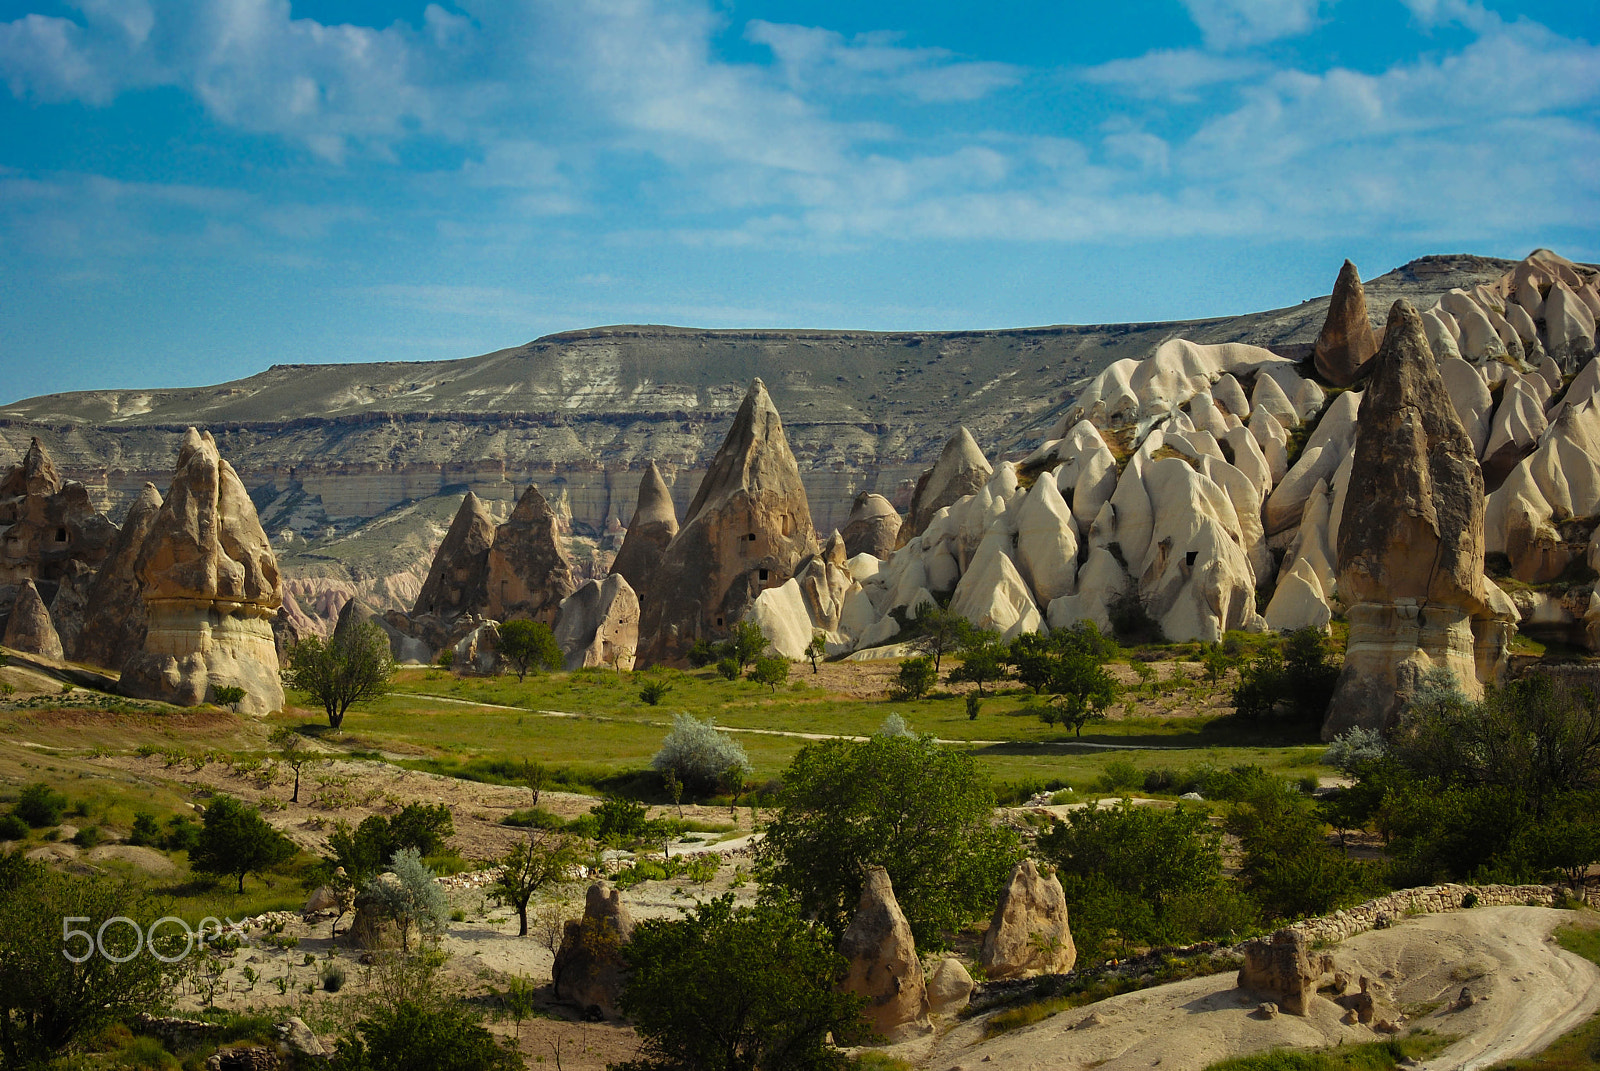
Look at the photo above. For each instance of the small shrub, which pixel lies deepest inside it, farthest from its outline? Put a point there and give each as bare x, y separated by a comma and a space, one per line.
333, 978
146, 833
40, 806
699, 754
229, 695
915, 679
654, 692
1120, 775
13, 828
729, 669
88, 837
1470, 900
770, 671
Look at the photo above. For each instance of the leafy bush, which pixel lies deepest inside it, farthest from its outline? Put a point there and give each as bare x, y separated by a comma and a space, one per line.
1354, 748
699, 754
770, 671
333, 978
1120, 775
916, 677
88, 837
40, 806
726, 989
229, 695
423, 1035
729, 669
235, 840
146, 833
623, 820
922, 811
13, 828
895, 725
529, 645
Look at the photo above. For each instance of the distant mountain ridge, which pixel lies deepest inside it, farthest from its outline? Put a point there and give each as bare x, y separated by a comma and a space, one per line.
343, 460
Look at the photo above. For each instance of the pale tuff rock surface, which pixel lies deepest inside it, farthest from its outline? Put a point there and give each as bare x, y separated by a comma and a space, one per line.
114, 622
883, 964
949, 987
960, 470
210, 585
1346, 342
1281, 969
403, 648
1047, 542
529, 572
458, 581
29, 628
1411, 573
599, 624
873, 527
1556, 483
992, 594
589, 971
747, 530
652, 528
374, 927
51, 531
1028, 934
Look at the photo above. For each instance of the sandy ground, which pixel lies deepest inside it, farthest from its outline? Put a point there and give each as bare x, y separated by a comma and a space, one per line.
1535, 992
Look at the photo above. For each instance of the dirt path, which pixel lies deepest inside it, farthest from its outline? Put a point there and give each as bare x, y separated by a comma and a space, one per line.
1528, 992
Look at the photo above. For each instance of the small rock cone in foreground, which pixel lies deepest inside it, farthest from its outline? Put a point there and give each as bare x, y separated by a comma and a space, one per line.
1029, 934
883, 962
29, 628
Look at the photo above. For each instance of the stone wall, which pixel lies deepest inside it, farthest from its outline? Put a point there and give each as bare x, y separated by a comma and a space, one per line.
1428, 900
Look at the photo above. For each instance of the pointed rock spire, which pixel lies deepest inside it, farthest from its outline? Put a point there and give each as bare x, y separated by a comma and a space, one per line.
114, 626
884, 967
654, 524
1346, 342
960, 470
1411, 572
747, 530
458, 580
35, 476
29, 628
210, 585
529, 572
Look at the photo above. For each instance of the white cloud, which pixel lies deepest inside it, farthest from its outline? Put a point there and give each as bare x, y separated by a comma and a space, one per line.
1227, 24
1174, 74
820, 60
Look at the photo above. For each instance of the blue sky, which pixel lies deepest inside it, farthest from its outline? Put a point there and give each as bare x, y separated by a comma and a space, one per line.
191, 190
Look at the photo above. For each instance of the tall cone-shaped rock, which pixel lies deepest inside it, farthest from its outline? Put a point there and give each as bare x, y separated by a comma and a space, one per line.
1029, 933
873, 527
960, 471
114, 627
654, 523
35, 476
211, 589
884, 967
458, 580
1346, 342
747, 529
529, 572
1411, 570
29, 628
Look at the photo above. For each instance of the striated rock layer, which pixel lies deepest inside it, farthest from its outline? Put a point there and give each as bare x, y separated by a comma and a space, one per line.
1411, 573
211, 591
747, 530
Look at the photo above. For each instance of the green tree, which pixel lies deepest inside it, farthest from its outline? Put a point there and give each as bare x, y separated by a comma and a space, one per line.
1080, 689
983, 660
529, 645
745, 644
293, 752
235, 840
817, 649
738, 989
47, 1002
343, 671
914, 679
937, 631
421, 826
921, 811
1289, 866
770, 671
543, 859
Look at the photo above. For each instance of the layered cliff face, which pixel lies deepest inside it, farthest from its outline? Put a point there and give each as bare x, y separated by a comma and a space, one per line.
357, 469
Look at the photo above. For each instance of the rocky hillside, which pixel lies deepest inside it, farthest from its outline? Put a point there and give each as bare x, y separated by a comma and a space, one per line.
357, 468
